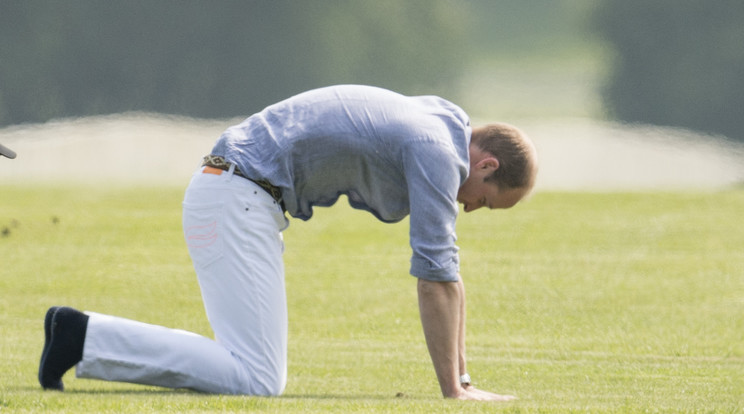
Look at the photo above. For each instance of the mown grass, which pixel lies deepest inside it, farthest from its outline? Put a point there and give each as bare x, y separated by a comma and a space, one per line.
577, 302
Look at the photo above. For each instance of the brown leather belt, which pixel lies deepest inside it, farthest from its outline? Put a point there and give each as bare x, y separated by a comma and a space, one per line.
219, 163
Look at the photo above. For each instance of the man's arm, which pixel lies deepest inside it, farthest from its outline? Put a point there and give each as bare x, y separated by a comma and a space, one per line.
461, 329
439, 306
442, 308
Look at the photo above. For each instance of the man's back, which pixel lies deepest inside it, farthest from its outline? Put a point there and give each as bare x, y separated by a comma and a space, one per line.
348, 139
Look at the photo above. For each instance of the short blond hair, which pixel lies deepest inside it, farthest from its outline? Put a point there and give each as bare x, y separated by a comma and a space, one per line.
514, 151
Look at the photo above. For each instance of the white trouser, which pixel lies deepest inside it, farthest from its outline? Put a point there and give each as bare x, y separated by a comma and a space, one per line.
233, 232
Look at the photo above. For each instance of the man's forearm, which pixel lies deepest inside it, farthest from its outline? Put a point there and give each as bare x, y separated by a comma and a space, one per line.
440, 306
461, 333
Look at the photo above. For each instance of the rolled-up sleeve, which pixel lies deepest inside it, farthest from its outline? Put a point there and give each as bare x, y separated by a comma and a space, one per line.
434, 173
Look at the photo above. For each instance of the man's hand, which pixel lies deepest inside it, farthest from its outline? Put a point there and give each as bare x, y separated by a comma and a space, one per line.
472, 393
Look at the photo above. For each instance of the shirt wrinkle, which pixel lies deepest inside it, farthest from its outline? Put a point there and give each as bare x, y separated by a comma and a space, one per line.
358, 141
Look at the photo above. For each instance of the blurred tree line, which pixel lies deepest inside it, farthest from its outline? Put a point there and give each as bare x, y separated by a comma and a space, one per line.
215, 59
676, 63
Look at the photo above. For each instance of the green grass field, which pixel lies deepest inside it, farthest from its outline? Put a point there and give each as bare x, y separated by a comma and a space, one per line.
577, 302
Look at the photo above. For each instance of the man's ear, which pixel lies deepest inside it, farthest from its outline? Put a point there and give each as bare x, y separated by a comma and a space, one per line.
488, 163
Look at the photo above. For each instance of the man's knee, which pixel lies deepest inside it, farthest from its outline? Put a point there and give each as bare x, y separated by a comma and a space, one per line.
271, 387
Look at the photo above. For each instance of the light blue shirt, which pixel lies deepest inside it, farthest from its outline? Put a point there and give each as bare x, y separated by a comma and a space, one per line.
392, 155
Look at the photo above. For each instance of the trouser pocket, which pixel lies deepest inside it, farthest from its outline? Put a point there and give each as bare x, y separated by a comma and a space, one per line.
203, 231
